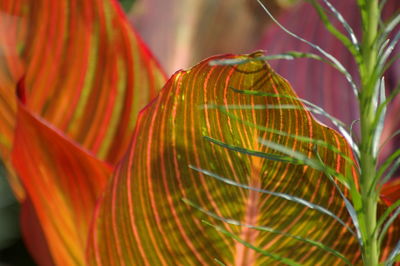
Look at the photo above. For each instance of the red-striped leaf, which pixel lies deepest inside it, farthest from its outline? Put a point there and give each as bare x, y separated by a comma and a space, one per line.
86, 72
195, 151
63, 183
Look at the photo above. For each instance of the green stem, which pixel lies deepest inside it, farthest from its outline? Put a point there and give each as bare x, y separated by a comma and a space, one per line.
368, 215
369, 197
370, 51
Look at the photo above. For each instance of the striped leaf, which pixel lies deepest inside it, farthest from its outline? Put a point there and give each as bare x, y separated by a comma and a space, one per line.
62, 182
86, 72
191, 162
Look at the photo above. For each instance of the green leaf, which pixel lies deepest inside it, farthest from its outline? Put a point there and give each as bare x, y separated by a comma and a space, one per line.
350, 44
142, 219
389, 222
393, 255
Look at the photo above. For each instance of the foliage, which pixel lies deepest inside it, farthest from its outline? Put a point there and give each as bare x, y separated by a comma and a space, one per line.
225, 164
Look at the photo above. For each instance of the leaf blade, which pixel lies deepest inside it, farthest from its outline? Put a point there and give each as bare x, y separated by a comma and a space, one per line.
152, 225
83, 69
63, 183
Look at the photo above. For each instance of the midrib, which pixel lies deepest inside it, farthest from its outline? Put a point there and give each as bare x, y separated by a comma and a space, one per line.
246, 256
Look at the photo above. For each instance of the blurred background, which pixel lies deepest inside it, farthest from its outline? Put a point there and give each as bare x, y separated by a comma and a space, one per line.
180, 33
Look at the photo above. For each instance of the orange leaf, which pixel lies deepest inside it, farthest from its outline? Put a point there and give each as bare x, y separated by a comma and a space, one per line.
62, 181
86, 72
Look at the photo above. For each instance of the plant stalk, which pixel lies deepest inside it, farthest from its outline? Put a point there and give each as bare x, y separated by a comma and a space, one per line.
369, 80
369, 197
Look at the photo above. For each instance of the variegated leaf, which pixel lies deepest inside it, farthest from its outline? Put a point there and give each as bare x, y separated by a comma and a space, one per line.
216, 148
85, 71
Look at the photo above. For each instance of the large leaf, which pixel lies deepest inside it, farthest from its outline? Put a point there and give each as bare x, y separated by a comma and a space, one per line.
86, 72
206, 149
62, 181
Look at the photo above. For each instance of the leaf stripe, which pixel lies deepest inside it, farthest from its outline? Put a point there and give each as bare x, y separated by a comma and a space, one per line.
130, 203
209, 127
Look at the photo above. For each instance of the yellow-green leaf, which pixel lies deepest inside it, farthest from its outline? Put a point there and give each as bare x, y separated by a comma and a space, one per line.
228, 146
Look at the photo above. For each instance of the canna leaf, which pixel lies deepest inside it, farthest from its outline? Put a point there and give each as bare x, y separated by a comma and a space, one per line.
85, 71
62, 183
143, 220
